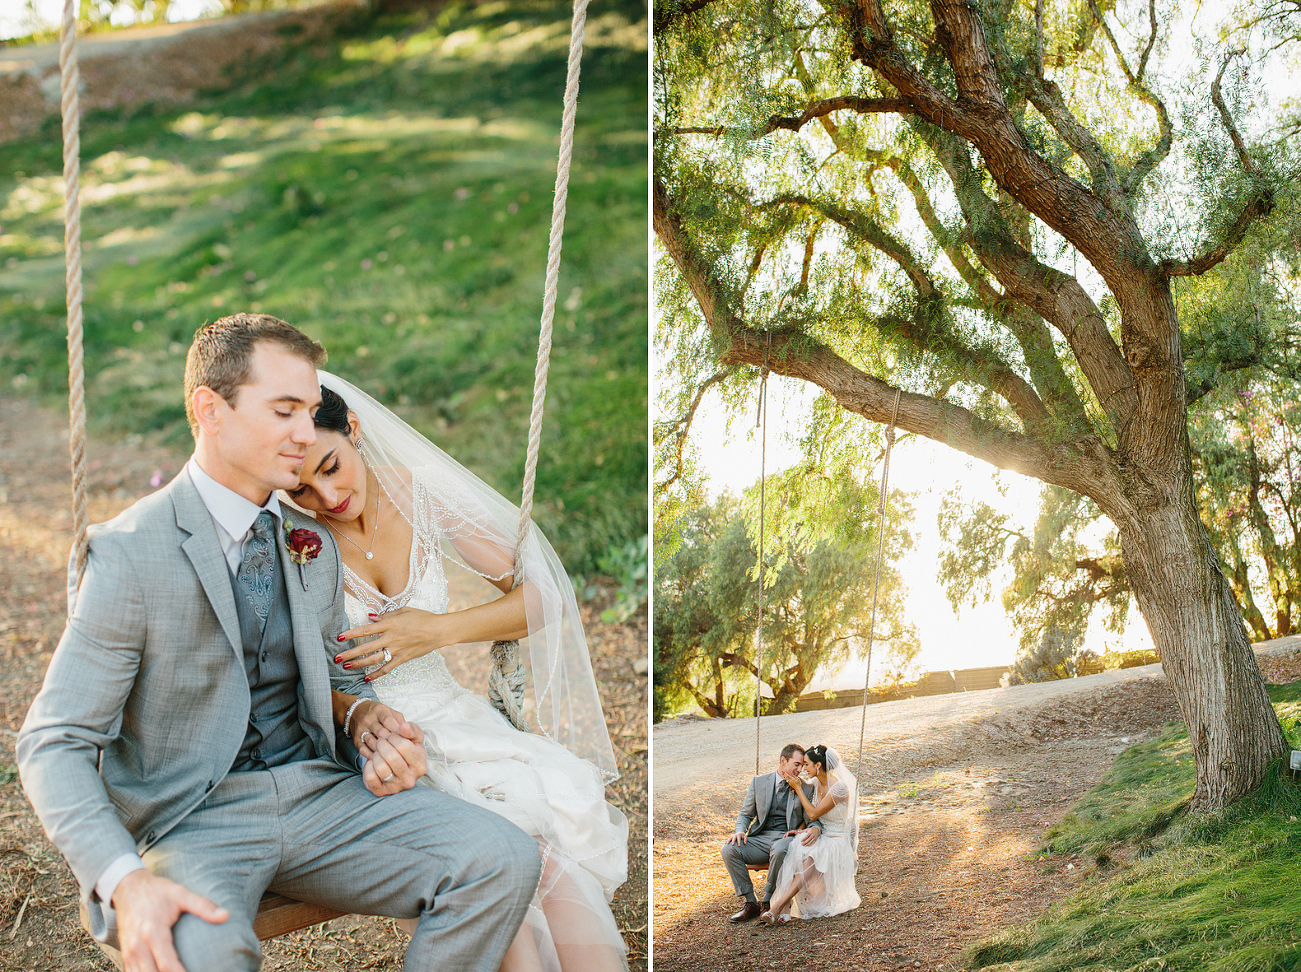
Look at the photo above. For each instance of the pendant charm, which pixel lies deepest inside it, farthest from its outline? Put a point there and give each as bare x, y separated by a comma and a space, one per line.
369, 555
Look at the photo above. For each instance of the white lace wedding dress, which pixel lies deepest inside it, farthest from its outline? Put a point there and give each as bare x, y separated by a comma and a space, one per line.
828, 865
532, 781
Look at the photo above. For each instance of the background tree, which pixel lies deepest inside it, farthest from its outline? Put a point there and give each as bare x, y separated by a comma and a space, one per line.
1243, 431
983, 205
817, 596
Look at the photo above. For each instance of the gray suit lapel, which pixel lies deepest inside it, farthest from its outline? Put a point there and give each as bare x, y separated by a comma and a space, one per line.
763, 791
314, 676
204, 550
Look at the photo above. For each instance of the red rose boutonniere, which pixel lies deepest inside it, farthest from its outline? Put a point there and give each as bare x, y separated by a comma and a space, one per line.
303, 545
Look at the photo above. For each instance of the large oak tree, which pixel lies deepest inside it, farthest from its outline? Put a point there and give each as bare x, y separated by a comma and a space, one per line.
979, 207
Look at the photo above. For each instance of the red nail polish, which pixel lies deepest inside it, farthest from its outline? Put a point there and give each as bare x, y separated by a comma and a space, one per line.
341, 638
337, 659
372, 615
349, 665
368, 678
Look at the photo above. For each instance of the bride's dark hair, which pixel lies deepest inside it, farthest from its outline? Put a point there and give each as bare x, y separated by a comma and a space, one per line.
817, 754
333, 413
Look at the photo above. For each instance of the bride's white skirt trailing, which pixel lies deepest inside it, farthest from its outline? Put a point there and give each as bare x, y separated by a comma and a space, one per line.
827, 867
531, 780
542, 788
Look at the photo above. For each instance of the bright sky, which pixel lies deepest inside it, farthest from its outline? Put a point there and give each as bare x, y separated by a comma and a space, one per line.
16, 16
978, 636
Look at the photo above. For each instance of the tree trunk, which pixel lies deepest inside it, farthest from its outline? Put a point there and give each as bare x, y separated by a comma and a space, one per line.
1198, 631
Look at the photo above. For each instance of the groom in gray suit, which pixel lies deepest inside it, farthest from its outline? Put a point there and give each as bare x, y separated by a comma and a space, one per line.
765, 827
183, 753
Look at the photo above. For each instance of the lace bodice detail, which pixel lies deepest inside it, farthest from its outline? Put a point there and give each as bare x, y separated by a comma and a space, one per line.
426, 590
834, 820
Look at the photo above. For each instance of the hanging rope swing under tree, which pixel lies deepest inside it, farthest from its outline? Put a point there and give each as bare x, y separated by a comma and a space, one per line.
890, 434
278, 915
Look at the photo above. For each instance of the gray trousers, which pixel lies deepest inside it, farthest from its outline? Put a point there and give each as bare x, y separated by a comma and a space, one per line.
766, 848
311, 830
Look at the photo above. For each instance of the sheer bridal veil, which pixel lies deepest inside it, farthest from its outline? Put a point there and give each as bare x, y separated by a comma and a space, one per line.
837, 771
476, 528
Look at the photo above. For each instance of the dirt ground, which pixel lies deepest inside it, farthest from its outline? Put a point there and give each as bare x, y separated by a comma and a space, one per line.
39, 928
958, 792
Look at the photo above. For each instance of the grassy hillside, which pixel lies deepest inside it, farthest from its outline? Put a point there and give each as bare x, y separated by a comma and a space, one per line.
390, 193
1214, 893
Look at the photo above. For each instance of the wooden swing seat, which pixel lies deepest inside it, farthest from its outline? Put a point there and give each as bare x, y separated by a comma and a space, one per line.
276, 915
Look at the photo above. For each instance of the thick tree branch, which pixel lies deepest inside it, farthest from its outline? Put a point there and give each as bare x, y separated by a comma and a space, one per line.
1053, 295
817, 109
926, 329
1046, 372
1261, 203
789, 352
1239, 146
1111, 242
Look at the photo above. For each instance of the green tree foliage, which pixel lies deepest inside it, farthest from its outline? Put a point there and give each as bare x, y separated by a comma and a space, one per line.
1243, 429
980, 208
817, 595
1058, 572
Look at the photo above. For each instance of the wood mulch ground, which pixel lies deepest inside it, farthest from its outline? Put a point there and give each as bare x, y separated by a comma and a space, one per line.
39, 930
948, 850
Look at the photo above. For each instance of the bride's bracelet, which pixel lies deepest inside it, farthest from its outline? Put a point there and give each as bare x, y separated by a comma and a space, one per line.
347, 719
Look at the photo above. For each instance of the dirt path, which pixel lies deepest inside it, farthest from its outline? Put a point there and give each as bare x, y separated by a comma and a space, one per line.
957, 793
35, 534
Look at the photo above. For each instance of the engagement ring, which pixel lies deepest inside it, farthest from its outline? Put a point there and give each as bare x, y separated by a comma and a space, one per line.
388, 656
365, 734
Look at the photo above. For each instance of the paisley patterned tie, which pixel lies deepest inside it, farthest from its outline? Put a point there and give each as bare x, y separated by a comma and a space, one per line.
254, 575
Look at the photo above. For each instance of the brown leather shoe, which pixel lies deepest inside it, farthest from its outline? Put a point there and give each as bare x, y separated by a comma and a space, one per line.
748, 913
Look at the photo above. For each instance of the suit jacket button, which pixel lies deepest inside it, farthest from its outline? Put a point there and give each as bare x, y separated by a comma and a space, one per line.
150, 838
209, 790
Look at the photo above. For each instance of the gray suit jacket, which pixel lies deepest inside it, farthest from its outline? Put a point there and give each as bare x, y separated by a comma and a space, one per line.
145, 703
758, 798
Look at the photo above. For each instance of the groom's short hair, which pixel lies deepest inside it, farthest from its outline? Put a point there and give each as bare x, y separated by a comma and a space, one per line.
790, 749
221, 351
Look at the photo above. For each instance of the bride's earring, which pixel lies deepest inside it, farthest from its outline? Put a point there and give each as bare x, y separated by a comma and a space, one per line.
357, 442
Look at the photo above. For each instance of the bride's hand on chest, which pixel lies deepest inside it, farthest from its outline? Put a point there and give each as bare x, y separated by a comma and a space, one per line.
404, 634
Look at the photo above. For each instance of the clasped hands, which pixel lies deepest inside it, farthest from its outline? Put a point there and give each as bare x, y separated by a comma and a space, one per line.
393, 748
405, 633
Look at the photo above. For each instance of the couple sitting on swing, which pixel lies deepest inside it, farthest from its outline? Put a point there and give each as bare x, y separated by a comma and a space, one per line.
250, 686
801, 823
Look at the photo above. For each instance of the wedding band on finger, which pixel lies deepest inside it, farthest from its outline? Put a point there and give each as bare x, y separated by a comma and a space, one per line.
365, 734
387, 778
388, 656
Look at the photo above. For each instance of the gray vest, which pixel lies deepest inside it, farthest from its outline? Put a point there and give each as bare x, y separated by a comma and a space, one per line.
274, 735
777, 809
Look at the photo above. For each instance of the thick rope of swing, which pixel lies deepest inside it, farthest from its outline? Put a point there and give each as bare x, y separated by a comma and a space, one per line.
876, 579
762, 422
70, 110
506, 681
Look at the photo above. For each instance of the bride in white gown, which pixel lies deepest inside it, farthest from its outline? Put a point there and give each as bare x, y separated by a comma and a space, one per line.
401, 508
818, 878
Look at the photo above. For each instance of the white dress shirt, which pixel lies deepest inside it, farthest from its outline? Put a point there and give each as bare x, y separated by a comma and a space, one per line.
233, 516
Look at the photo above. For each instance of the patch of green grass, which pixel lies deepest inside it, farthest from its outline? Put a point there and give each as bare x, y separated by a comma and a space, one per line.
391, 195
1212, 893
